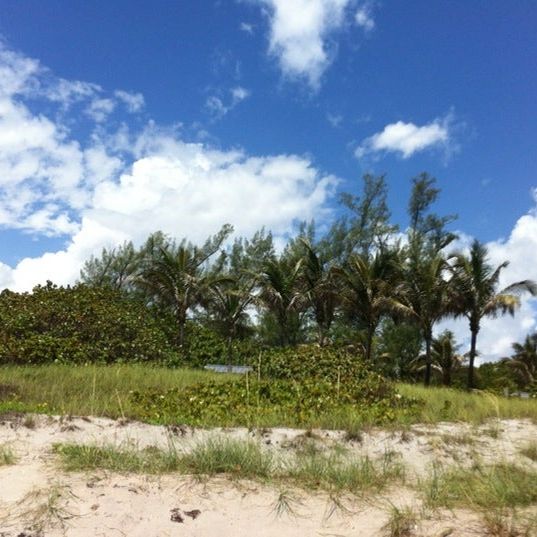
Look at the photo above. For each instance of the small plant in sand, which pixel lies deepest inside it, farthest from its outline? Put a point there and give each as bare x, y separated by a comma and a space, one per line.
6, 455
508, 523
530, 451
45, 508
402, 521
287, 504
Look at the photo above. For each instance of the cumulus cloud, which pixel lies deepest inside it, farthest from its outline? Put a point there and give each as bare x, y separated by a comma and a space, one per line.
407, 139
300, 34
46, 175
123, 185
185, 189
218, 107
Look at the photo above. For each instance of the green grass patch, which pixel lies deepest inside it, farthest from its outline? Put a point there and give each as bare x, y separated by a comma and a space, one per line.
448, 404
76, 458
97, 390
491, 487
207, 399
336, 472
244, 459
230, 456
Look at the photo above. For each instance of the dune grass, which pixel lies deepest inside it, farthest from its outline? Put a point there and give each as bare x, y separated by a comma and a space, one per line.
447, 404
97, 390
101, 390
500, 486
241, 459
80, 457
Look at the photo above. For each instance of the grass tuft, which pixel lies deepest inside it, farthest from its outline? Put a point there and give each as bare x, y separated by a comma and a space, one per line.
7, 457
75, 457
500, 486
332, 471
229, 456
402, 522
286, 504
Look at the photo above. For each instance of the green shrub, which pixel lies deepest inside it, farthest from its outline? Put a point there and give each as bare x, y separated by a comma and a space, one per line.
77, 324
246, 402
334, 364
205, 346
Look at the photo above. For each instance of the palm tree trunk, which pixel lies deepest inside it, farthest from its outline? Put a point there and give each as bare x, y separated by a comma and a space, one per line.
321, 335
230, 337
369, 343
181, 321
427, 380
473, 352
229, 350
181, 334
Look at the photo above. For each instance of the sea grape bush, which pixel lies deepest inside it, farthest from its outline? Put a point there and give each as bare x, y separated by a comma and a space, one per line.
78, 324
247, 402
311, 361
304, 382
205, 346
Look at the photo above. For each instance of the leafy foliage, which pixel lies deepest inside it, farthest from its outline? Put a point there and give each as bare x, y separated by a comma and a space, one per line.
77, 324
245, 402
310, 361
205, 346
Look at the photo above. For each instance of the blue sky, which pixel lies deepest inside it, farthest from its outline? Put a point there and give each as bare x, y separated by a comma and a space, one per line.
117, 118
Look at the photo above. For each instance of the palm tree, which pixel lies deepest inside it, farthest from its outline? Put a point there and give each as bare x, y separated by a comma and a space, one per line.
177, 276
423, 297
280, 293
228, 302
474, 286
444, 356
320, 290
524, 360
367, 286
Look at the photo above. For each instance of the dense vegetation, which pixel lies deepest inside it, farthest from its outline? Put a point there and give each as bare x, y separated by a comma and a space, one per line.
363, 293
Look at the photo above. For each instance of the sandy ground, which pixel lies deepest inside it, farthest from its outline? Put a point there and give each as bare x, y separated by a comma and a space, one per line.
38, 499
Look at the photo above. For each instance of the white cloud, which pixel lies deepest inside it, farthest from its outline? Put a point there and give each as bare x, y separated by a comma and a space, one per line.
407, 138
124, 185
189, 190
364, 17
300, 33
133, 101
100, 109
334, 119
218, 108
247, 27
47, 176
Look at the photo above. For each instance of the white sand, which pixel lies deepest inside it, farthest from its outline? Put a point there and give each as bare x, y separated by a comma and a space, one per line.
107, 504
